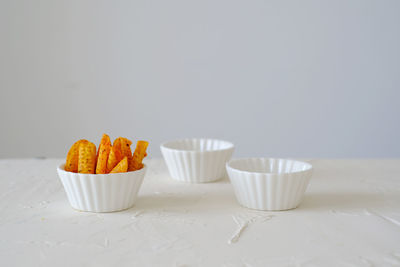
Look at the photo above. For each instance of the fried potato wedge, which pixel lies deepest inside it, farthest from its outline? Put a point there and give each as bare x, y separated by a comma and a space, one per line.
110, 157
87, 157
124, 145
122, 166
71, 164
113, 159
102, 154
138, 155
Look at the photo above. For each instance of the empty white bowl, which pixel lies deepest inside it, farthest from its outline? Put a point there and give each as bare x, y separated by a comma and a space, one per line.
269, 184
197, 160
101, 192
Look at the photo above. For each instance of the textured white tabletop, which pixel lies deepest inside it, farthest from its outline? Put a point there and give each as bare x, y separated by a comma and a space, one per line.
350, 217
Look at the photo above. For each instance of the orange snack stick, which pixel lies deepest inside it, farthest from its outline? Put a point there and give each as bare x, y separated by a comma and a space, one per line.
138, 155
122, 166
102, 154
71, 164
87, 157
113, 159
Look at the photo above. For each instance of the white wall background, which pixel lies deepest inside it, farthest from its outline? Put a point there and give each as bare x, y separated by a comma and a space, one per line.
277, 78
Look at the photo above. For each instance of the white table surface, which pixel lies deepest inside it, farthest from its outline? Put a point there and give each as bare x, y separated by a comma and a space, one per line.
350, 217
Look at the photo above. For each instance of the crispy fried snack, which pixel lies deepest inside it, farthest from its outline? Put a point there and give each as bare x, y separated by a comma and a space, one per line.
102, 154
138, 155
124, 145
116, 158
71, 164
122, 166
87, 157
113, 159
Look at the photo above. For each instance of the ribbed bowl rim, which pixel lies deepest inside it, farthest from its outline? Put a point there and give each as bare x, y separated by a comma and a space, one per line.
228, 166
163, 145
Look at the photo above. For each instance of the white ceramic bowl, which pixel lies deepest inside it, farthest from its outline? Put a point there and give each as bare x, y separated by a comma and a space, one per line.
101, 192
197, 160
269, 184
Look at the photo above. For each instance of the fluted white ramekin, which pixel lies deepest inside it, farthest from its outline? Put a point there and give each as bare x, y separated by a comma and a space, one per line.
197, 160
269, 184
101, 192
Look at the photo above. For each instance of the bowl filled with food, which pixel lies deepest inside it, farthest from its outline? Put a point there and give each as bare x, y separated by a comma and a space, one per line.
106, 179
268, 183
197, 160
